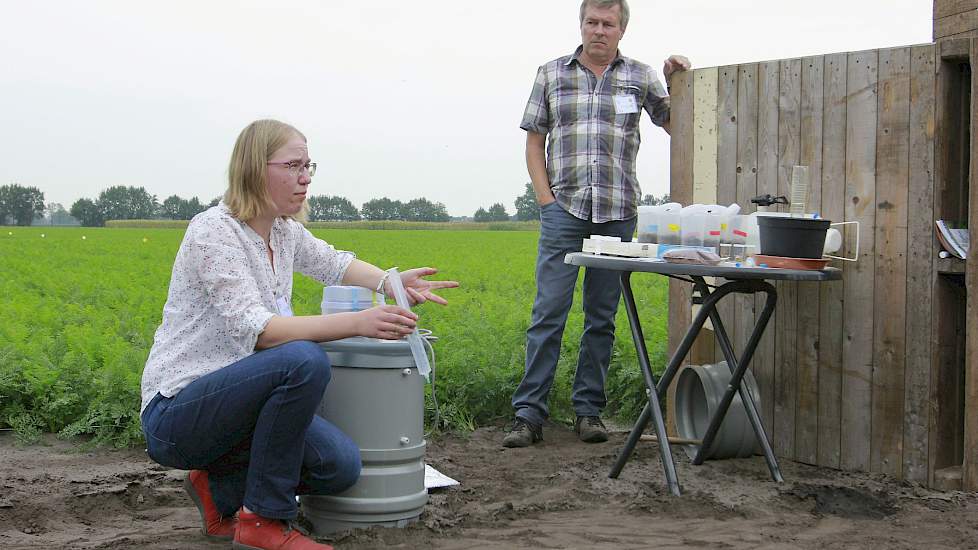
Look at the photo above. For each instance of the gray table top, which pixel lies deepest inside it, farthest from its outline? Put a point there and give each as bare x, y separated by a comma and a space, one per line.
618, 263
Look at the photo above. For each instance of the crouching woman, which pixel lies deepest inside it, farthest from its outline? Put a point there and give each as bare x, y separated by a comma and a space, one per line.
233, 381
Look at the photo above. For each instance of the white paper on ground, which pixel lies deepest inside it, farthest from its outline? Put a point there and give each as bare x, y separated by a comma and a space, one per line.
434, 479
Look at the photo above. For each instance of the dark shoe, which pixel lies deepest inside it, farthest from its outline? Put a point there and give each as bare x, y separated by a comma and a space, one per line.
590, 429
254, 532
523, 434
215, 526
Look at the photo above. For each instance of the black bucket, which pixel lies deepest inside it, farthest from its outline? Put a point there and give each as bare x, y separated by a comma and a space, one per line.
792, 237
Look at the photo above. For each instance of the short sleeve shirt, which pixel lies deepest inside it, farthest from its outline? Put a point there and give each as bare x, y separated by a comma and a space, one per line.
592, 147
224, 290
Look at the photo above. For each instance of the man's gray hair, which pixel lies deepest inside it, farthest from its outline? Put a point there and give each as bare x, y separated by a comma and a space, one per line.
607, 4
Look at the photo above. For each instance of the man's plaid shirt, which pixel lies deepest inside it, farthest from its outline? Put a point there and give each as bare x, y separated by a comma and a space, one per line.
591, 150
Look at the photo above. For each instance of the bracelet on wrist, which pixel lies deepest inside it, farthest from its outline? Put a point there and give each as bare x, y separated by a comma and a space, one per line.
380, 285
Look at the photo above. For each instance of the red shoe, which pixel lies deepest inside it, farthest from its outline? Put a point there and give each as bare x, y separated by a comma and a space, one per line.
253, 532
214, 525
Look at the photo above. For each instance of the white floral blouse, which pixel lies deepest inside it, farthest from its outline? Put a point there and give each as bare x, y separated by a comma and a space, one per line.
224, 290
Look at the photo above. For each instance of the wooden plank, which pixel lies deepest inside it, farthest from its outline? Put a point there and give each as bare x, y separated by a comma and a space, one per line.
935, 435
956, 24
747, 104
955, 48
704, 181
948, 265
769, 80
890, 326
831, 294
705, 135
806, 411
960, 36
727, 170
920, 238
786, 329
857, 345
944, 8
681, 191
969, 476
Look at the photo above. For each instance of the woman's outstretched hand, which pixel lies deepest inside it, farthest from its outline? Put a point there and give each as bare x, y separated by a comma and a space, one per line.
420, 290
386, 322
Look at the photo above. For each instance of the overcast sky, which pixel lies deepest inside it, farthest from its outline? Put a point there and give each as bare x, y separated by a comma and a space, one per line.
399, 99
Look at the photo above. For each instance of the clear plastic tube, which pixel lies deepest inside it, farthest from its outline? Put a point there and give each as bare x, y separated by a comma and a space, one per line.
414, 339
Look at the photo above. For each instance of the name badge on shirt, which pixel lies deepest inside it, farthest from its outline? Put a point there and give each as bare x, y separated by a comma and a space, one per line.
625, 104
283, 307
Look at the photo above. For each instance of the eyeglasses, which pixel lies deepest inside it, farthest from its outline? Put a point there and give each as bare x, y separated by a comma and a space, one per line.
295, 167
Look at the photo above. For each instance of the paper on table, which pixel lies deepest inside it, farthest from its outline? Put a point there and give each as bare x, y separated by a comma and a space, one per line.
434, 479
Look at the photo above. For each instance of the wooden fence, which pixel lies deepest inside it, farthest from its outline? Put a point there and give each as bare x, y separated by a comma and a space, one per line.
870, 373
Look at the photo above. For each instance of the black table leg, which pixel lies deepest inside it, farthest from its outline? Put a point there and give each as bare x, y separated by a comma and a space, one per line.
656, 391
737, 370
652, 408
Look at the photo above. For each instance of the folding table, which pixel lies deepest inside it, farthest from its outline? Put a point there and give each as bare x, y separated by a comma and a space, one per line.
737, 280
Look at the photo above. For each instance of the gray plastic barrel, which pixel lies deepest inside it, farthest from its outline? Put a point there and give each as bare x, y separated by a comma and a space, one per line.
377, 398
698, 394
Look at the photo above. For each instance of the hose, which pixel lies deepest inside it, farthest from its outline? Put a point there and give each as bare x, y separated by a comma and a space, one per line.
427, 337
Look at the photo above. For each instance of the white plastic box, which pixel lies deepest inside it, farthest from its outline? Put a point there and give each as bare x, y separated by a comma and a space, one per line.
669, 223
339, 299
692, 230
648, 224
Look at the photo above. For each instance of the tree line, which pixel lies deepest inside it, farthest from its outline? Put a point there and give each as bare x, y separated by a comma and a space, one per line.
21, 205
135, 203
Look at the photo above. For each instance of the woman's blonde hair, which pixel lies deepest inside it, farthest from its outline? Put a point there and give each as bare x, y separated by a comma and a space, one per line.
247, 193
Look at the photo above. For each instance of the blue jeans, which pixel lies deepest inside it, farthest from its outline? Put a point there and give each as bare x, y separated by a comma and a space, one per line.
252, 426
560, 234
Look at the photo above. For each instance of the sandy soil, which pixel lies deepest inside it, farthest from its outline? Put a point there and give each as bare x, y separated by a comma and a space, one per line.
553, 495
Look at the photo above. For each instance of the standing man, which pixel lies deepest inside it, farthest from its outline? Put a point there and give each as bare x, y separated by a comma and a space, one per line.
589, 105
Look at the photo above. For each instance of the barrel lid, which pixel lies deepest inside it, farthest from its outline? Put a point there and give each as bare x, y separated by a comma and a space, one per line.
371, 353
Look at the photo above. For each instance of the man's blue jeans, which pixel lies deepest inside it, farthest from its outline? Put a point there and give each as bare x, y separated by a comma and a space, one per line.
252, 426
560, 234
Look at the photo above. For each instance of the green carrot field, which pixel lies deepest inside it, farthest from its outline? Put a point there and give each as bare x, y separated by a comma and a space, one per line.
80, 306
